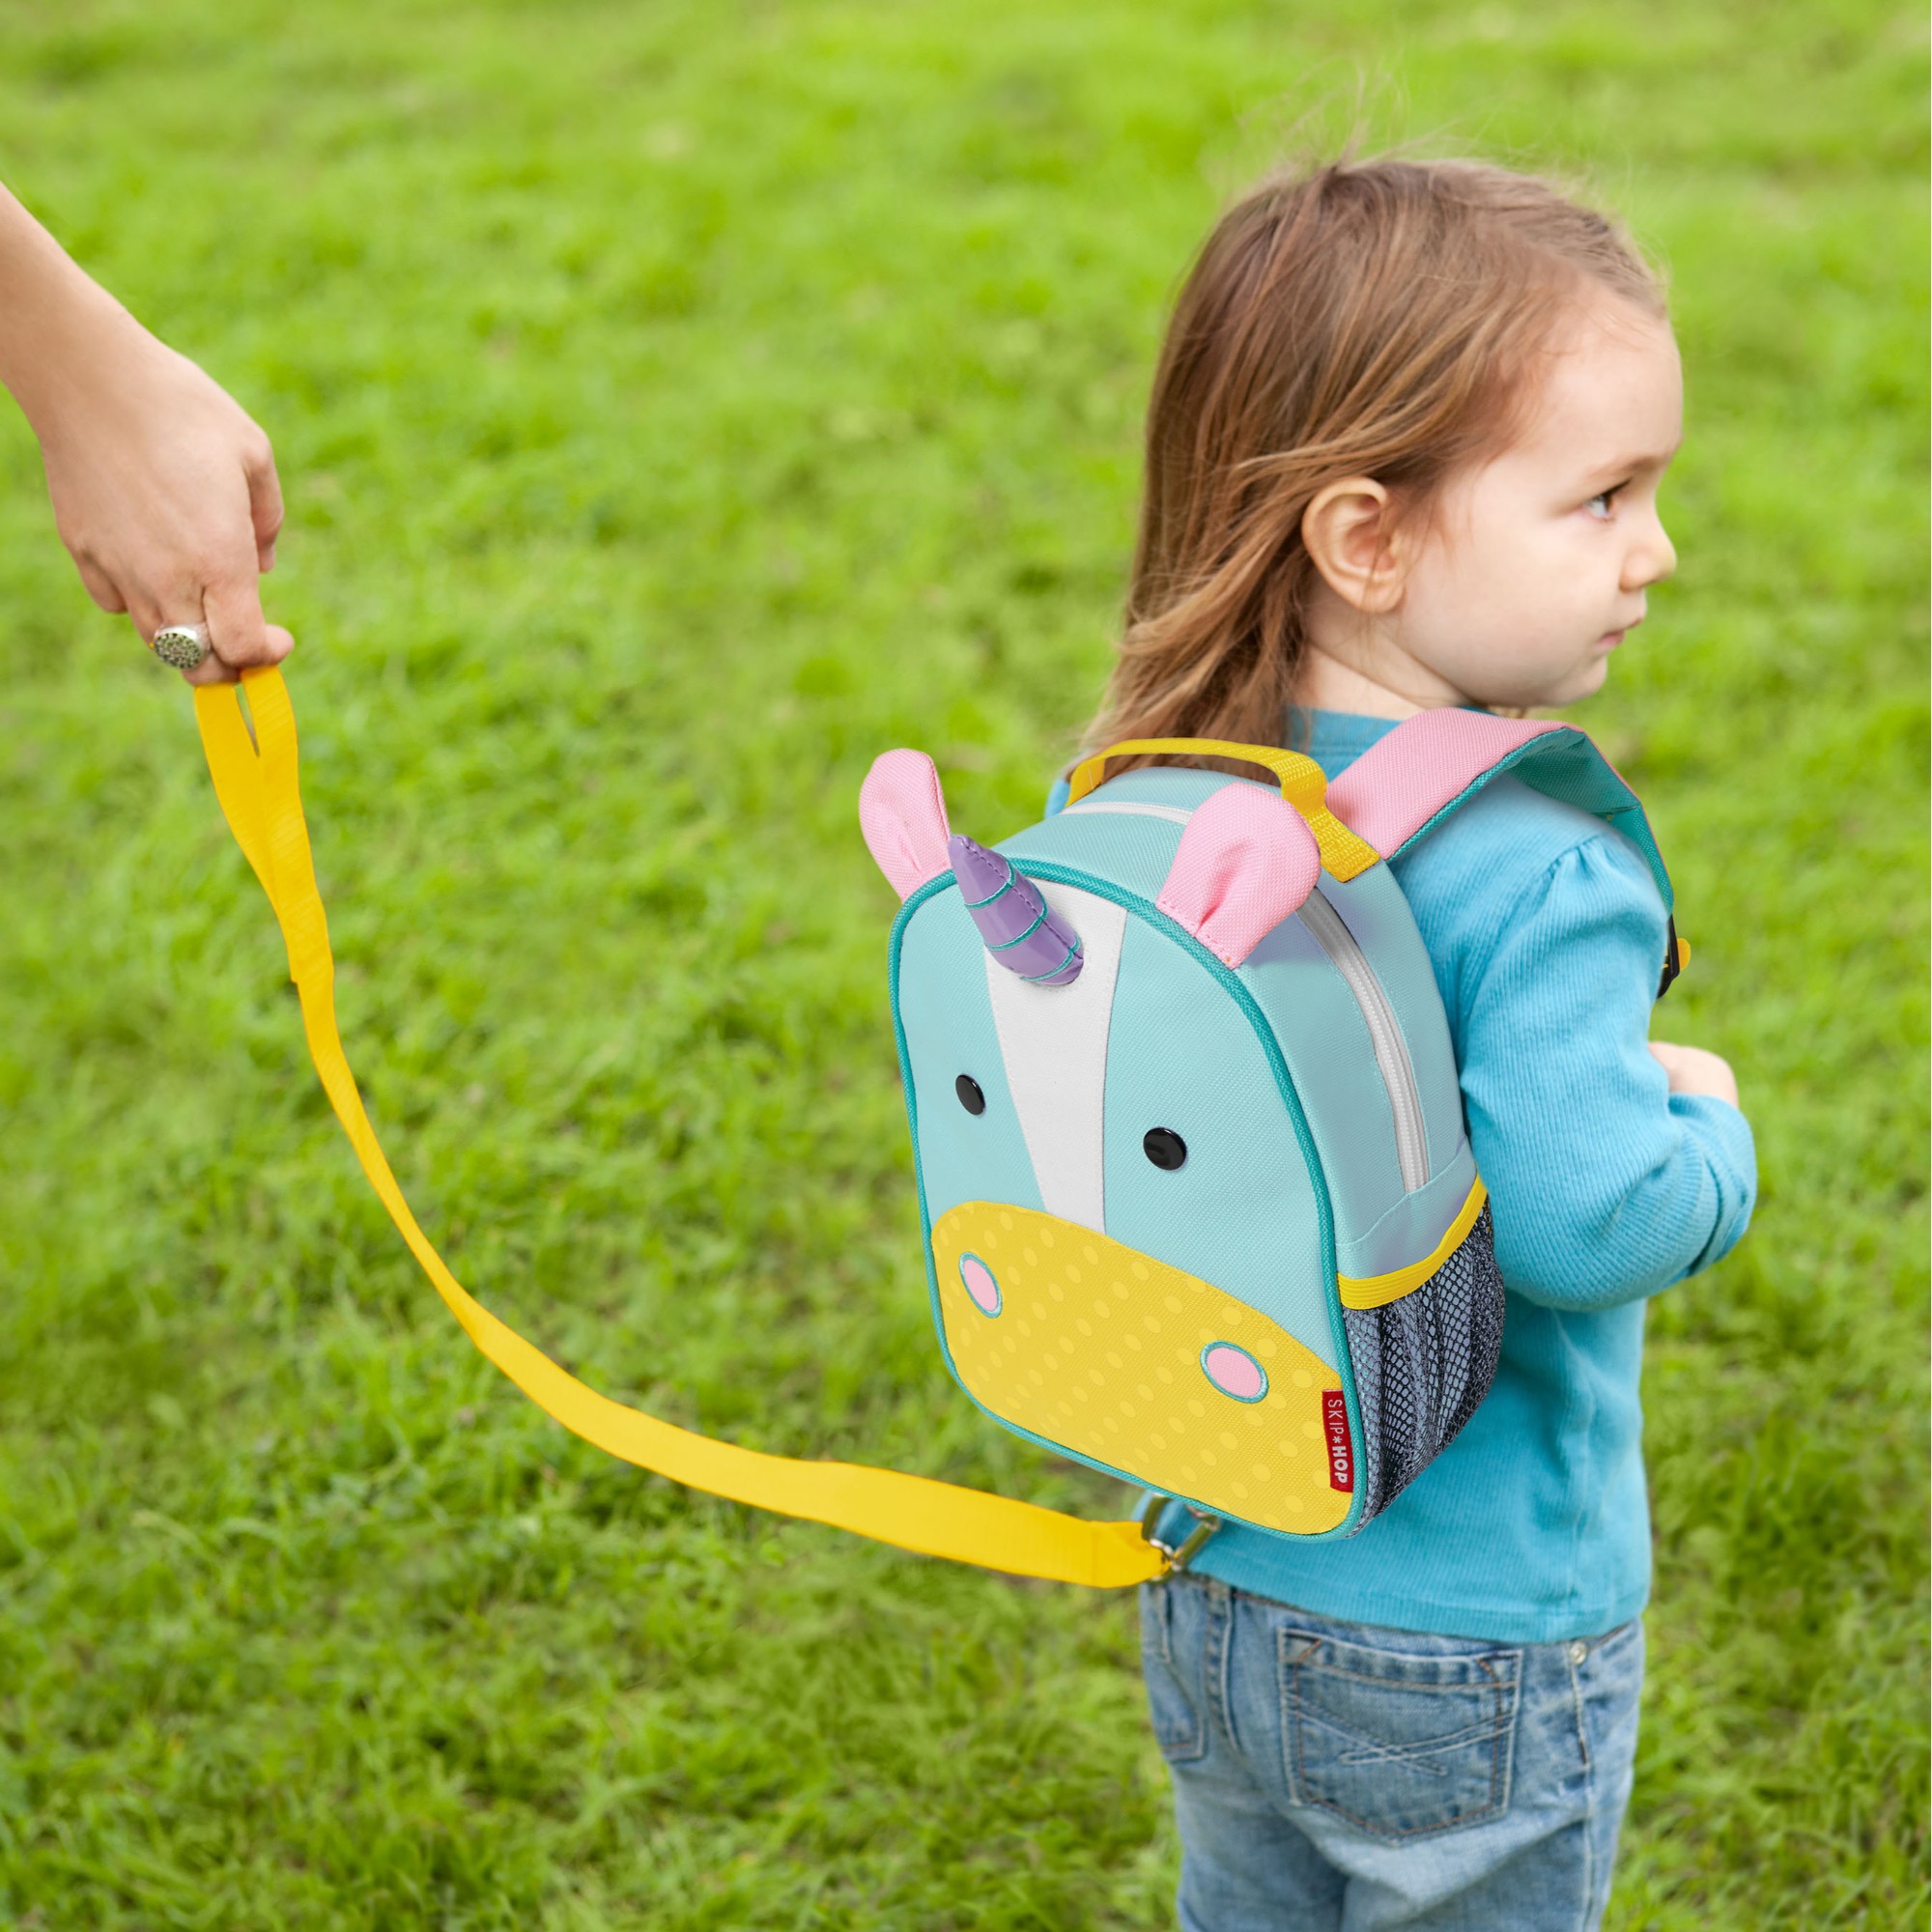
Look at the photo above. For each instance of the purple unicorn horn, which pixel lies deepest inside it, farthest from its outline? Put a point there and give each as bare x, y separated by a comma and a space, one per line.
1013, 920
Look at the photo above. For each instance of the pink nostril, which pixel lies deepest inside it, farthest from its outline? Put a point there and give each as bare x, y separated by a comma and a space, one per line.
979, 1284
1233, 1372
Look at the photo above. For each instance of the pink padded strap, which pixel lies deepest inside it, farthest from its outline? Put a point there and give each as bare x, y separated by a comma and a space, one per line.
1405, 779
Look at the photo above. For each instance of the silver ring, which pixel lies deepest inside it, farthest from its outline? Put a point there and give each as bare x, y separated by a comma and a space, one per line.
183, 645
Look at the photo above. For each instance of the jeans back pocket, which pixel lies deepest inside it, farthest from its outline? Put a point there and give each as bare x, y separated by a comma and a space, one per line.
1397, 1741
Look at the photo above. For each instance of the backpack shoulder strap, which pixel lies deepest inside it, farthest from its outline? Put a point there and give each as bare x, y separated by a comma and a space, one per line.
1408, 781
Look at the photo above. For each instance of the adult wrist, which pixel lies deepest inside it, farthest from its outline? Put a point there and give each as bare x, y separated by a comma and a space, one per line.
60, 331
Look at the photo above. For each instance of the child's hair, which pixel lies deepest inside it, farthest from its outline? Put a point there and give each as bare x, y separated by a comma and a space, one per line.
1375, 318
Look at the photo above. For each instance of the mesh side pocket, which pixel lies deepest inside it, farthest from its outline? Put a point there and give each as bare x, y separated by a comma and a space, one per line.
1424, 1362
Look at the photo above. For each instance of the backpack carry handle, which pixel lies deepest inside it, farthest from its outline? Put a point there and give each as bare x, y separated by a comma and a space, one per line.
1344, 855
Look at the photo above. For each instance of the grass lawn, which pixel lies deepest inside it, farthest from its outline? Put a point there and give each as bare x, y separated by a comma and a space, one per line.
678, 406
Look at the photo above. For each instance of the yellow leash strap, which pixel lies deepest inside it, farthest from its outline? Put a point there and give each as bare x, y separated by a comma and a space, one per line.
257, 782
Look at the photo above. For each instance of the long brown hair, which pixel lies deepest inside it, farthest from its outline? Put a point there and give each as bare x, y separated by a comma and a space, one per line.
1373, 318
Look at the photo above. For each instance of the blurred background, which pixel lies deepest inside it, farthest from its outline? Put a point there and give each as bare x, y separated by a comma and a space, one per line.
678, 406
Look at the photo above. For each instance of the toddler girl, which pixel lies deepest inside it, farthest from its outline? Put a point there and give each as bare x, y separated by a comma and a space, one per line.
1403, 451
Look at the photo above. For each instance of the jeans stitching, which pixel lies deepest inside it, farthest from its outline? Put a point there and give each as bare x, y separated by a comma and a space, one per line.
1375, 1751
1589, 1795
1286, 1707
1576, 1706
1220, 1646
1194, 1743
1163, 1621
1502, 1762
1426, 1690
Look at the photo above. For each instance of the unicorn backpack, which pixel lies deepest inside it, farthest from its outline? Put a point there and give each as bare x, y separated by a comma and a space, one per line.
1198, 1204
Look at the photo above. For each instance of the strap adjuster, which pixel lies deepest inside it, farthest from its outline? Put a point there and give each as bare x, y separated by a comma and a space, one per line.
1178, 1556
1676, 956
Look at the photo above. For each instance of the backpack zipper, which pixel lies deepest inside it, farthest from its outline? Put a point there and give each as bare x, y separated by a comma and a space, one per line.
1398, 1071
1344, 952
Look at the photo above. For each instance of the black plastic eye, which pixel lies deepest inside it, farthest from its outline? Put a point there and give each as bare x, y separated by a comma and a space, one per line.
1164, 1148
970, 1095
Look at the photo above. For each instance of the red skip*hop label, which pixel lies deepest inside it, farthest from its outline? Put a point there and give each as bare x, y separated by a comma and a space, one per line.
1340, 1453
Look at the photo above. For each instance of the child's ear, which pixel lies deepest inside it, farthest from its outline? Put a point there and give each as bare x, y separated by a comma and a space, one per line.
1351, 536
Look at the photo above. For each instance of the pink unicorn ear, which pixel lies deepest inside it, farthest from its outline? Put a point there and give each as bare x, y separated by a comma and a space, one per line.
902, 813
1246, 860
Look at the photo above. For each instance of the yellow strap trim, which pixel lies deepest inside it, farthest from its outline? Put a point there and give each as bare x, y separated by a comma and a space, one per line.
1303, 786
258, 786
1378, 1290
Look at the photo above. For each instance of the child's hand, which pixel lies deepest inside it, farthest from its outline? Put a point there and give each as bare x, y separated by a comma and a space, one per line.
1693, 1070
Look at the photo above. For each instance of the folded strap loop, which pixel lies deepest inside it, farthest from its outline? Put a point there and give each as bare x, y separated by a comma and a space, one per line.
257, 782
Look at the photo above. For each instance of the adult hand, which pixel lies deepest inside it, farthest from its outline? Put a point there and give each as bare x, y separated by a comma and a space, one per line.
165, 494
163, 490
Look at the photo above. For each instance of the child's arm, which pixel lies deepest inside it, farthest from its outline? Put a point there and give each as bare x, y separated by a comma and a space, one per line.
1614, 1169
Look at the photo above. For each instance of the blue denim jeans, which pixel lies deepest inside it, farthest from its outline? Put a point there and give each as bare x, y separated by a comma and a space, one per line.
1334, 1776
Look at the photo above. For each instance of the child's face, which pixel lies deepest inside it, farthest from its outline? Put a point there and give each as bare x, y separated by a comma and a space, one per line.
1534, 566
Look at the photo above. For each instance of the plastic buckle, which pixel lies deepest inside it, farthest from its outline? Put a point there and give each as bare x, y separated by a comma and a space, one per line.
1178, 1556
1676, 956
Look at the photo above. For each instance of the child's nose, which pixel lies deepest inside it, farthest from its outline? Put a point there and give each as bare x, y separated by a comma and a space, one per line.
1651, 558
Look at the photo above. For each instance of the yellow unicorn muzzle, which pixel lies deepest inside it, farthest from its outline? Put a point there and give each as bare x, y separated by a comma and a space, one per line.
1094, 1347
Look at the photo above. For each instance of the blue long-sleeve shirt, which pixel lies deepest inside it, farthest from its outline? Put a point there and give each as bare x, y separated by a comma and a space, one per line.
1545, 931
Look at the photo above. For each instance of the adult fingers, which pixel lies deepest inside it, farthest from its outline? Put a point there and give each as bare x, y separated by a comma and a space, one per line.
232, 609
212, 671
264, 502
100, 585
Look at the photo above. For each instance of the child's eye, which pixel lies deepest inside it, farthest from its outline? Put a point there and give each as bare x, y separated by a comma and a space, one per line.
1601, 504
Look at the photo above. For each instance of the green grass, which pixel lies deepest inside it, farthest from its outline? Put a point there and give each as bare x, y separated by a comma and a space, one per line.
678, 406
